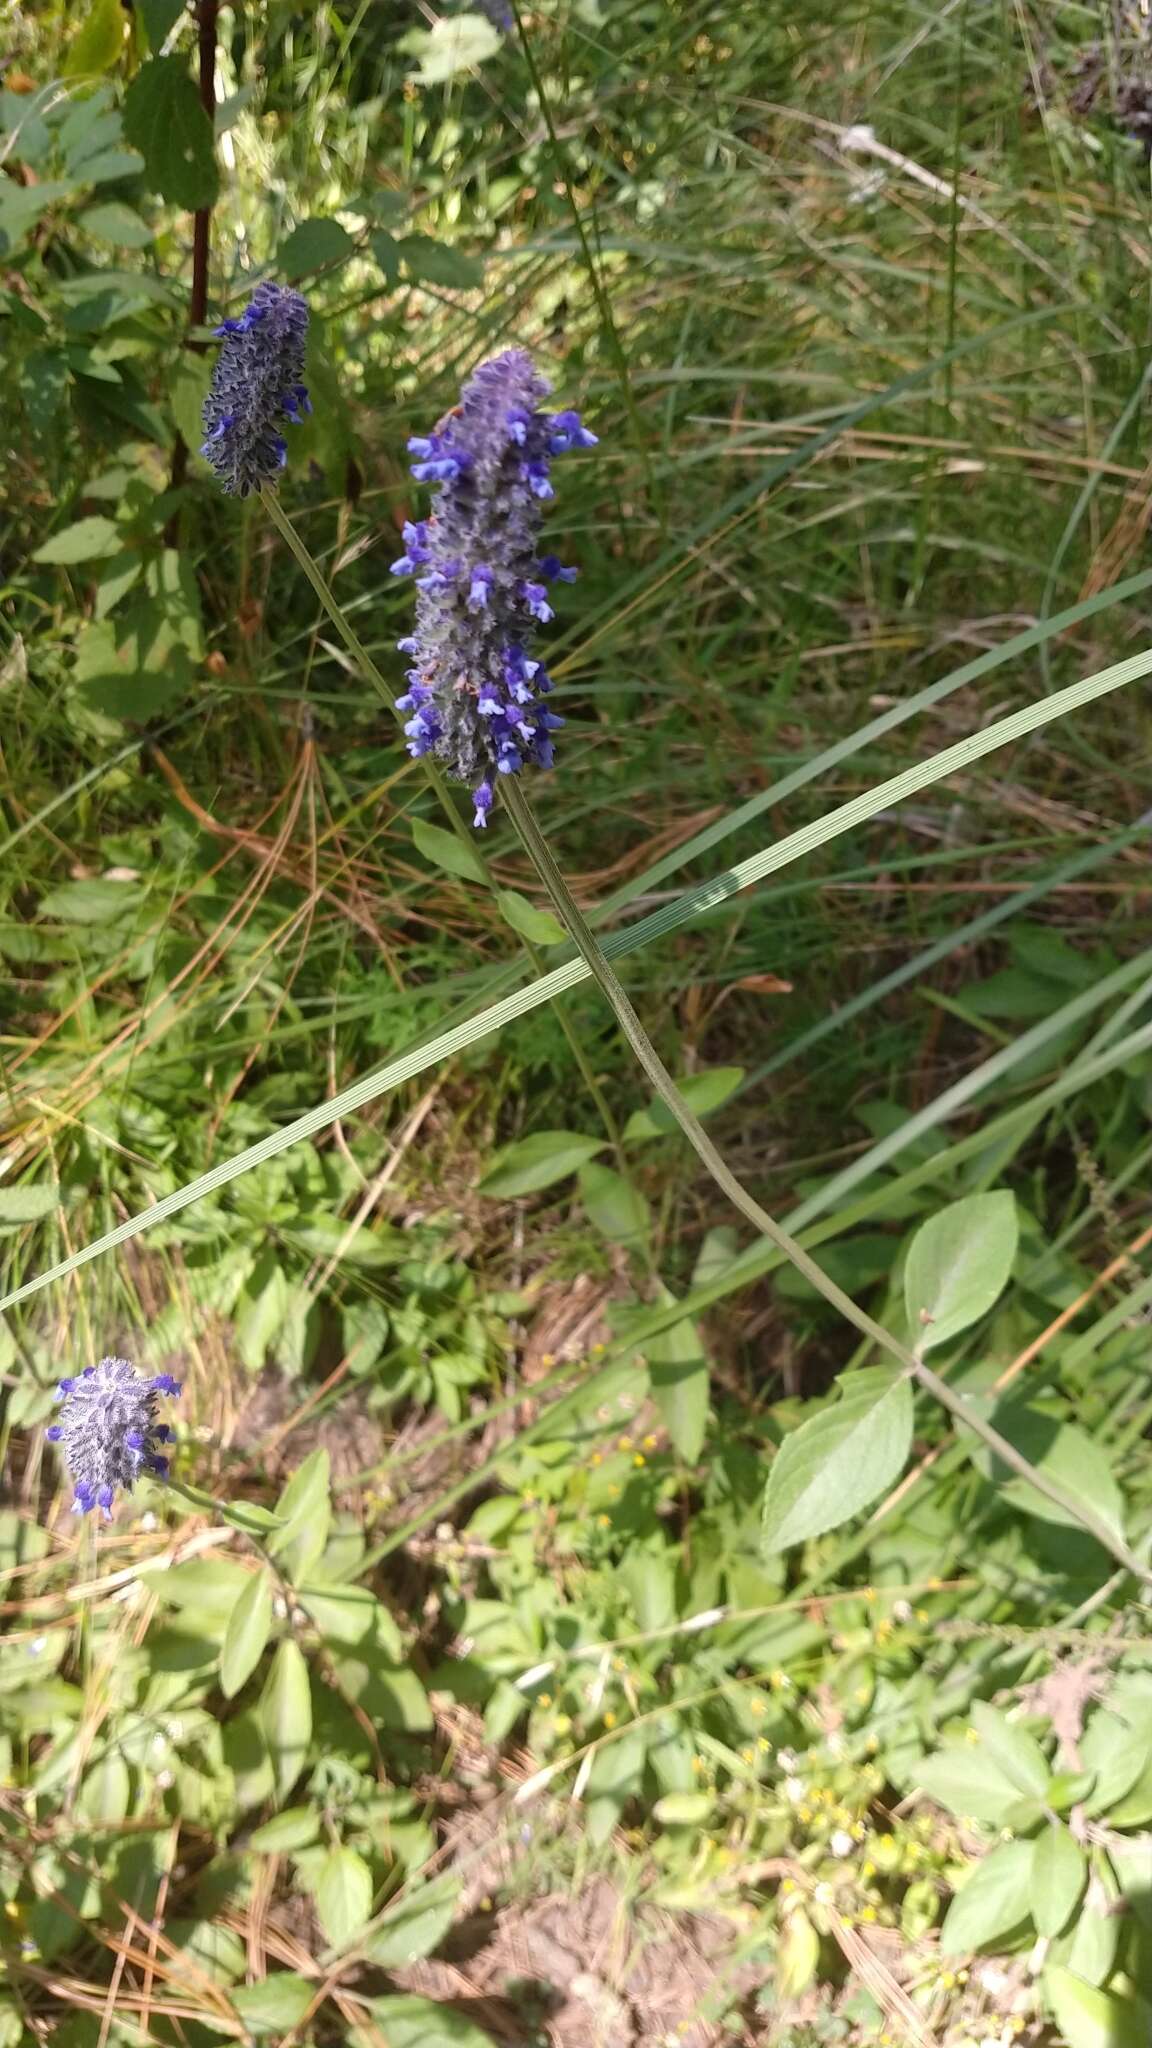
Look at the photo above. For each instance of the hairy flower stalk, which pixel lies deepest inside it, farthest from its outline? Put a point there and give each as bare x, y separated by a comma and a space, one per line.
109, 1430
475, 695
257, 384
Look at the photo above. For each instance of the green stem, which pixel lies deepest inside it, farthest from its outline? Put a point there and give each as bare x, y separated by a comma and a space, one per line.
540, 853
365, 663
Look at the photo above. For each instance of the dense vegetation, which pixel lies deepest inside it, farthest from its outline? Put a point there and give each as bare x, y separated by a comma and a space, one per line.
562, 1625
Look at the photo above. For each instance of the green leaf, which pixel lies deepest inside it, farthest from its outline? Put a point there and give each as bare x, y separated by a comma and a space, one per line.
314, 245
683, 1809
99, 41
343, 1896
114, 222
430, 262
286, 1714
1088, 2018
539, 927
28, 1203
614, 1205
187, 389
967, 1779
537, 1162
164, 120
835, 1464
275, 2004
160, 17
1017, 1753
94, 902
409, 2022
679, 1384
958, 1264
82, 542
1059, 1874
1061, 1451
350, 1615
246, 1636
458, 42
305, 1511
106, 1791
703, 1092
995, 1902
296, 1828
797, 1955
415, 1925
445, 851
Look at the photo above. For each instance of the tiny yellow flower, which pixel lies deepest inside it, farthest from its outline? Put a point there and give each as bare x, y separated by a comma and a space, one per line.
922, 1614
562, 1724
597, 1458
748, 1756
547, 1358
609, 1719
869, 1593
650, 1443
763, 1744
756, 1708
598, 1350
868, 1913
603, 1521
697, 1763
788, 1885
624, 1443
639, 1459
544, 1699
934, 1585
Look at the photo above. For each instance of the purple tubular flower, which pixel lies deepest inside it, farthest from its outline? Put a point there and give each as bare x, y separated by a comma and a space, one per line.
474, 691
257, 384
109, 1430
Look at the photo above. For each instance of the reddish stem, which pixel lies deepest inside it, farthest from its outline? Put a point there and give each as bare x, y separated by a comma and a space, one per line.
207, 14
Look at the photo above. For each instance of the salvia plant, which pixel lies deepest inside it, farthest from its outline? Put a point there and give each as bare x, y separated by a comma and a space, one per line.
109, 1431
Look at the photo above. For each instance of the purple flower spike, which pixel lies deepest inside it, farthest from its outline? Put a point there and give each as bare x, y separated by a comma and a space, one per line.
256, 385
109, 1430
473, 689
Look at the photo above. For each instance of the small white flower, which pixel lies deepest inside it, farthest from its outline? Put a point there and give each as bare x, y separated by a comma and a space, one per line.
37, 1646
164, 1779
840, 1843
786, 1758
794, 1790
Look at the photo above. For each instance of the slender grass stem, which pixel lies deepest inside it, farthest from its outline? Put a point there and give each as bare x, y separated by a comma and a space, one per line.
540, 853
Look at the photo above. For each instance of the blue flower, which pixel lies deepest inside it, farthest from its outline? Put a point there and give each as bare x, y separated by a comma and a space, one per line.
109, 1431
257, 384
474, 695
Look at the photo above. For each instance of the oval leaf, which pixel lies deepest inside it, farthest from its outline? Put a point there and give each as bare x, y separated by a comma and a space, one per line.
835, 1464
702, 1091
246, 1634
1059, 1873
343, 1896
539, 927
415, 1925
613, 1204
958, 1264
405, 2021
275, 2004
1088, 2018
996, 1900
83, 541
445, 851
286, 1714
537, 1162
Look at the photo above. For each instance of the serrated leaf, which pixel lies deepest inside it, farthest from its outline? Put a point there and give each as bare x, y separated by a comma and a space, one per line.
539, 927
415, 1925
246, 1635
457, 42
286, 1714
838, 1462
614, 1205
30, 1202
1059, 1874
99, 41
164, 120
1089, 2018
537, 1162
314, 245
275, 2004
703, 1091
445, 851
995, 1901
84, 541
958, 1264
343, 1896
